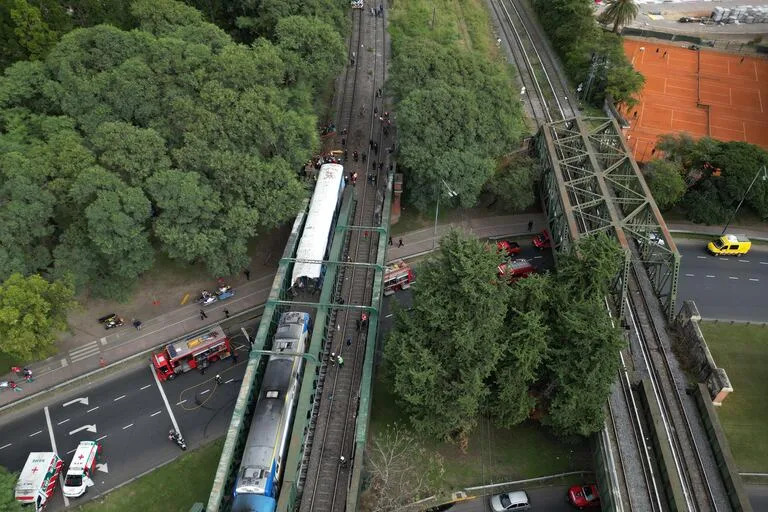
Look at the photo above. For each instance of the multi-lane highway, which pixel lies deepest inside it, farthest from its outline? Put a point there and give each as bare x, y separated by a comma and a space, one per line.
130, 413
724, 288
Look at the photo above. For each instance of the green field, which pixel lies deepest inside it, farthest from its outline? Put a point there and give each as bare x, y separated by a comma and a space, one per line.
742, 350
174, 487
494, 455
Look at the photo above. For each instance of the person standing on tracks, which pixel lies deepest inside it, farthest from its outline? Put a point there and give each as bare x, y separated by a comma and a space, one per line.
340, 360
354, 178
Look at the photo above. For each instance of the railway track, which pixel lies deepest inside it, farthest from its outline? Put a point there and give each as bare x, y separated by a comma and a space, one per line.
546, 91
327, 478
638, 471
678, 427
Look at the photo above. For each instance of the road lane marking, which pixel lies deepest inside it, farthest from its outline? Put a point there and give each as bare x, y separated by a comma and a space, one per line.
5, 446
753, 279
165, 399
38, 432
206, 391
128, 426
710, 276
92, 409
389, 315
53, 445
155, 414
702, 257
145, 387
764, 262
118, 398
179, 403
100, 438
744, 261
63, 422
731, 277
71, 451
228, 381
690, 275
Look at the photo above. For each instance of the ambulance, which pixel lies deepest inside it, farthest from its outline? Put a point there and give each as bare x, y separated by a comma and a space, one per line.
81, 469
37, 481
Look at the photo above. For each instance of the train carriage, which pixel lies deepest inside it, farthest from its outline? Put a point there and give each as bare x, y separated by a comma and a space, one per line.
258, 479
318, 228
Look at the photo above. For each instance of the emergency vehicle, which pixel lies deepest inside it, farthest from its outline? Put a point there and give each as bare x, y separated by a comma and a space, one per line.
542, 240
513, 270
37, 481
397, 276
508, 247
80, 471
197, 351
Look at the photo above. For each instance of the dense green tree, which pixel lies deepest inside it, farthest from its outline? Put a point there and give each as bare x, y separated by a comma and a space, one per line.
8, 501
583, 365
442, 352
590, 270
309, 45
665, 179
514, 183
741, 163
32, 33
704, 204
32, 311
89, 134
619, 13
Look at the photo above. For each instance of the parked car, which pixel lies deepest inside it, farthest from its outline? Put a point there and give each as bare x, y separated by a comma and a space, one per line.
515, 500
542, 240
584, 496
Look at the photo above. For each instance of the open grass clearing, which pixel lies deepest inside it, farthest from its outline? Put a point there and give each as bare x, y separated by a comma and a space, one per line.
742, 350
494, 455
173, 487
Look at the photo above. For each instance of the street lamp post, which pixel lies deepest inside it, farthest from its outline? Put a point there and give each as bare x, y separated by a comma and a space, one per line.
765, 176
451, 193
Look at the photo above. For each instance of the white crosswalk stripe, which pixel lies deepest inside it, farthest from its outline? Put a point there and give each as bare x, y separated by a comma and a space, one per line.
88, 350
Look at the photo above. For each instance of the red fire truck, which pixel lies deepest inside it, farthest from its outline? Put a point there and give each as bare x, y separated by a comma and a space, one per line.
197, 351
397, 276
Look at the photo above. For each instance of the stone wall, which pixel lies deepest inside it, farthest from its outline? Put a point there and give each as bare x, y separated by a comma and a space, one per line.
692, 343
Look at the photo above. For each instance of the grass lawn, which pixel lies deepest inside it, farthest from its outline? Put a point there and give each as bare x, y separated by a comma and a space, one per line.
190, 477
494, 455
742, 350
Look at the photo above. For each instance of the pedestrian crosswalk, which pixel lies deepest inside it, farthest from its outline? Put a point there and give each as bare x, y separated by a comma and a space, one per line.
84, 352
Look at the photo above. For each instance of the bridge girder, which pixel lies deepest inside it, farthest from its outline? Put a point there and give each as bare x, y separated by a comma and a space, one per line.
592, 184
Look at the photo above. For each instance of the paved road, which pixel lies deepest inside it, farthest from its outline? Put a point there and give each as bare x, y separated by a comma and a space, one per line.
127, 413
551, 499
724, 288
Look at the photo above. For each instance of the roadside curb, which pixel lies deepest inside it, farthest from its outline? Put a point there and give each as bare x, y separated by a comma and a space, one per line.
713, 233
424, 253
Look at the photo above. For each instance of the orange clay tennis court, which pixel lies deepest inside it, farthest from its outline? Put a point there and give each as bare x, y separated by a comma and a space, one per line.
699, 92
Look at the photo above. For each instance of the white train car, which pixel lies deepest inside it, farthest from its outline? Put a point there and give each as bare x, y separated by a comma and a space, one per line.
317, 229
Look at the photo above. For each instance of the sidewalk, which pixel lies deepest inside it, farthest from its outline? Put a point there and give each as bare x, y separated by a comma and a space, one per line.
123, 342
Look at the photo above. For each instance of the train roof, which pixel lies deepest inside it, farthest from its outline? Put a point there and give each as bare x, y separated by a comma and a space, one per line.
314, 237
290, 329
265, 427
253, 503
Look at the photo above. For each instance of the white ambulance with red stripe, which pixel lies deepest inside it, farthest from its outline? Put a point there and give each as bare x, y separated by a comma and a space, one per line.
81, 469
37, 481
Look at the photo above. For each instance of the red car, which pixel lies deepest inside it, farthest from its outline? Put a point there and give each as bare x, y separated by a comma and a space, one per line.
584, 496
543, 240
515, 269
508, 248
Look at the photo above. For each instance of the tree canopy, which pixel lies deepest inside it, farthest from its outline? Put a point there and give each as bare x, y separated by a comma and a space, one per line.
8, 501
169, 138
471, 344
32, 312
619, 13
457, 114
718, 175
583, 45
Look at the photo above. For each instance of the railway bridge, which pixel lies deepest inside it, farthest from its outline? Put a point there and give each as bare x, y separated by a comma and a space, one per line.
668, 456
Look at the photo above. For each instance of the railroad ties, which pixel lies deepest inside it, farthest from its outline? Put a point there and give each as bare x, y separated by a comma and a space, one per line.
325, 477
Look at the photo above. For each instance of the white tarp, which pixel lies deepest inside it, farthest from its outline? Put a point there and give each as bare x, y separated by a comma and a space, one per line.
314, 238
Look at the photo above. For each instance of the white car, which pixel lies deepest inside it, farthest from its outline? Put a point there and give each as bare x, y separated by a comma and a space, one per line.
514, 501
657, 239
357, 4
